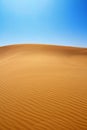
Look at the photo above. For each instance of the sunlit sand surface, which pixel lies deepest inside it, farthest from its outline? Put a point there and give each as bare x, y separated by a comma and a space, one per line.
43, 87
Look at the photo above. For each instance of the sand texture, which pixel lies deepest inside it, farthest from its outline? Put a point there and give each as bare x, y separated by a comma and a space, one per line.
43, 87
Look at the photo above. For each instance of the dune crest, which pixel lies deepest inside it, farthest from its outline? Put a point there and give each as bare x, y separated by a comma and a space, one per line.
43, 87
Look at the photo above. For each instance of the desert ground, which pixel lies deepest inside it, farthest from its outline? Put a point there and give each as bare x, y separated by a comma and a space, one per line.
43, 87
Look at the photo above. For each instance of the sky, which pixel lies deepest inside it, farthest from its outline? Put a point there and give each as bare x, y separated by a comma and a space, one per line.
58, 22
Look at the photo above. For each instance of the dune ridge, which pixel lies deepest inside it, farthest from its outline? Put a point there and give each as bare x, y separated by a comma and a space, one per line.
43, 87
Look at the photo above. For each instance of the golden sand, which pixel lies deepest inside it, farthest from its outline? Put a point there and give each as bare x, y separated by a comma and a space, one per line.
43, 87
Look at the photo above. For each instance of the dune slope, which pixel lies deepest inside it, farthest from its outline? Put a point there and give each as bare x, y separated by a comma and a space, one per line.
43, 87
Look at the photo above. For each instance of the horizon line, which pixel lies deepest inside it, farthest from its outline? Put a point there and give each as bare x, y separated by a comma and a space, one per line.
27, 43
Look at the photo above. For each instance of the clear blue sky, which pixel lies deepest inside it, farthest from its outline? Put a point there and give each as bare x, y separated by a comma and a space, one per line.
62, 22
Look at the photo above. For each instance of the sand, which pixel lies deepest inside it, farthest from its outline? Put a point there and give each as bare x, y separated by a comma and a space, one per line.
43, 87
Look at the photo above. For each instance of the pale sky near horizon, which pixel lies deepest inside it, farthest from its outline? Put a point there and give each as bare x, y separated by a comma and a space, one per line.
60, 22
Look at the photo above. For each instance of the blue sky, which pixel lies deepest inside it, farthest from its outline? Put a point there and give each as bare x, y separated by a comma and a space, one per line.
61, 22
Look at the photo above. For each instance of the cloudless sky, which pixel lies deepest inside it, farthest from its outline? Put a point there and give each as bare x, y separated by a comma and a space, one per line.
61, 22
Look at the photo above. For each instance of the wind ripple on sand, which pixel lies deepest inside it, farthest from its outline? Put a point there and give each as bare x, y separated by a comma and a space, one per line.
36, 93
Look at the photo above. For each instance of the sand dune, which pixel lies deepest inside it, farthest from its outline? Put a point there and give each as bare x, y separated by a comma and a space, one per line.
43, 87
